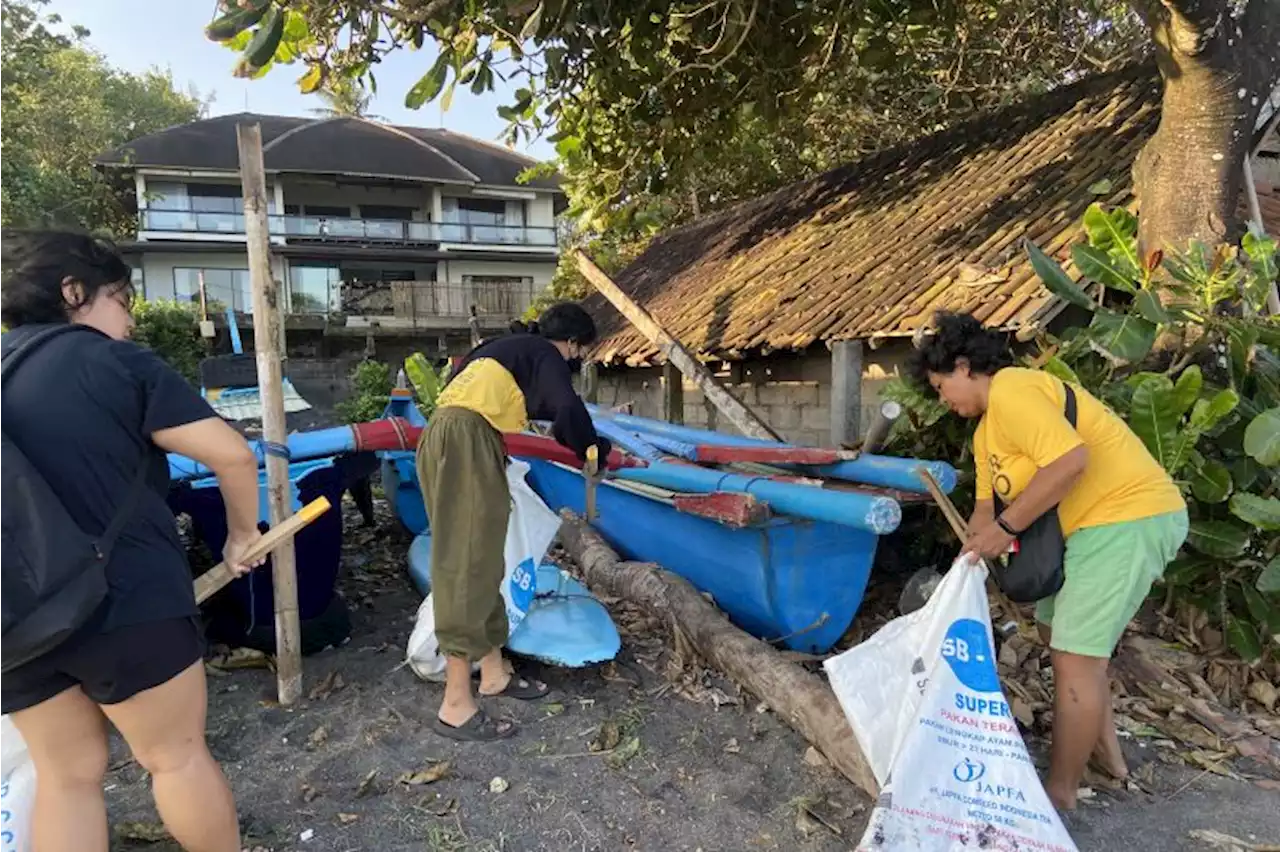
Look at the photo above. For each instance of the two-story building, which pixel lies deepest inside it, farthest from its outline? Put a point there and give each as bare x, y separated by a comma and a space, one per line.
374, 229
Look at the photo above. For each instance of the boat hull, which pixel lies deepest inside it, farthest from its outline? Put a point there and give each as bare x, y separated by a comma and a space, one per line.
796, 582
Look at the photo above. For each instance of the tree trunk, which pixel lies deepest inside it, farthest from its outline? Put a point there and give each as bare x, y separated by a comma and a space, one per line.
802, 699
1219, 69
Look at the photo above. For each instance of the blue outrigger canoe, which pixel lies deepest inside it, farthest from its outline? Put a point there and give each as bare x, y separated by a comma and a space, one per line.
791, 580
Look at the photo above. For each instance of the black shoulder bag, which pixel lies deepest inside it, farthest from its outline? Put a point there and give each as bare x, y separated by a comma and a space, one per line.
1035, 569
53, 576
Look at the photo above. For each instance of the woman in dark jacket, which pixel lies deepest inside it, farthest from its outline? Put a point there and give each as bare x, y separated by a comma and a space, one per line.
95, 414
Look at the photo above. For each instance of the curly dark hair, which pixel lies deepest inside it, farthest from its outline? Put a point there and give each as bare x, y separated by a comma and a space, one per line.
37, 262
958, 336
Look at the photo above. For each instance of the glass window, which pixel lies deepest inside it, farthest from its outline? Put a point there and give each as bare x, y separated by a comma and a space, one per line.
223, 288
314, 289
166, 196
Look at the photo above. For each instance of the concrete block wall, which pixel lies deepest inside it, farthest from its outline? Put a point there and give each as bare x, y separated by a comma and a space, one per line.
798, 407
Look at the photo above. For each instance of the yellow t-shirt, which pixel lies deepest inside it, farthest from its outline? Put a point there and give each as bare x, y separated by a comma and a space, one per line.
488, 388
1025, 429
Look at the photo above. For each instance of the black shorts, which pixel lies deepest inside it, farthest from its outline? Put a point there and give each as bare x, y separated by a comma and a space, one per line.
108, 667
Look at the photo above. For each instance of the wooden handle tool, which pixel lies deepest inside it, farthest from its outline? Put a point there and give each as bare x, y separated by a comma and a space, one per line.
212, 581
590, 472
960, 528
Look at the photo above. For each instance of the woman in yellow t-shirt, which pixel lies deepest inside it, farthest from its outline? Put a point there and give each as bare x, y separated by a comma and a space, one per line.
1121, 514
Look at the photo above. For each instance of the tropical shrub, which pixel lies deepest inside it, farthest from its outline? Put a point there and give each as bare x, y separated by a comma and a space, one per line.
172, 331
1177, 346
370, 392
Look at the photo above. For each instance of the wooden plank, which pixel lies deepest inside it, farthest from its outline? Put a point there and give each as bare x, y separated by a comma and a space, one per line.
267, 342
726, 507
846, 392
719, 454
673, 393
739, 415
212, 581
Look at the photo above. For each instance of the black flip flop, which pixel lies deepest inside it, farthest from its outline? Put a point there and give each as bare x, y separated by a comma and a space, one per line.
522, 689
479, 728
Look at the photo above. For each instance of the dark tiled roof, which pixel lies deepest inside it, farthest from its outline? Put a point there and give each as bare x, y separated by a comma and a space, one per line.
875, 247
331, 146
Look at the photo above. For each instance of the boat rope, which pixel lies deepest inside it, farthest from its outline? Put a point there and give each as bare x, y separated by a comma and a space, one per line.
271, 448
823, 619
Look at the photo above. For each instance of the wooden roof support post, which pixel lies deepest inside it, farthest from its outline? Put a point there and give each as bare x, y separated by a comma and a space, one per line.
672, 394
268, 344
739, 415
846, 392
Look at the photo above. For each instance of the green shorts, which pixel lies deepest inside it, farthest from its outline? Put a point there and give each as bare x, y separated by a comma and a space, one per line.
1109, 572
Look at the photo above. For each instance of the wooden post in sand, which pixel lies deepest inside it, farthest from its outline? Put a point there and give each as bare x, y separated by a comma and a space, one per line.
268, 343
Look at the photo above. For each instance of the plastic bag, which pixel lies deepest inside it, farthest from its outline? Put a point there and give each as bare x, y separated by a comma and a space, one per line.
530, 530
17, 789
923, 698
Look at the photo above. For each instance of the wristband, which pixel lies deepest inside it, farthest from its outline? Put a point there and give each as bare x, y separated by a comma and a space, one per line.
1004, 525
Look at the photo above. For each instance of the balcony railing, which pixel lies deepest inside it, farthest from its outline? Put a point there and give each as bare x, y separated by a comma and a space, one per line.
324, 228
414, 303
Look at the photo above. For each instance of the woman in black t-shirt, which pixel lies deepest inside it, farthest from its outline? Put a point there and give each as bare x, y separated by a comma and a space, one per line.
92, 413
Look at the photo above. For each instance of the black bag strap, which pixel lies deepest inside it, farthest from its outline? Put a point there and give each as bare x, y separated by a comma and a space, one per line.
1068, 411
124, 511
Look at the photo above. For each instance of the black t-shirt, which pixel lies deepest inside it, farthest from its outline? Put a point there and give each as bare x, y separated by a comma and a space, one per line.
82, 408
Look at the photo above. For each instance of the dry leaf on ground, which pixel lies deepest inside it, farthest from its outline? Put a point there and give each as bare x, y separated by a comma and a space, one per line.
430, 775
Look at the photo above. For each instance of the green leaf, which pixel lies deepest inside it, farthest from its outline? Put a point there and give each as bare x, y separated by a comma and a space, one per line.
426, 89
1261, 251
1267, 616
1096, 265
1211, 482
1206, 414
262, 47
1055, 280
1243, 639
1154, 417
1148, 305
1219, 539
1123, 337
1269, 579
531, 24
1055, 366
1187, 389
1115, 233
446, 100
1262, 438
311, 80
1244, 472
1256, 511
1102, 187
1186, 570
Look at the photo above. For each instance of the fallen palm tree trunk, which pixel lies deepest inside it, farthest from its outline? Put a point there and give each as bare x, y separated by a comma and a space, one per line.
802, 699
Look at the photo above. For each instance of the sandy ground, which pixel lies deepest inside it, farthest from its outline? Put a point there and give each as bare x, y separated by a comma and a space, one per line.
336, 771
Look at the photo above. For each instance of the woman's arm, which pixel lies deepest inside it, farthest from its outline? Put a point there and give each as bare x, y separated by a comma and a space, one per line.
226, 453
984, 512
1046, 489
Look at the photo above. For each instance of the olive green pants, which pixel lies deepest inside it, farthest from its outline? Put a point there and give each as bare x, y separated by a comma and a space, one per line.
462, 469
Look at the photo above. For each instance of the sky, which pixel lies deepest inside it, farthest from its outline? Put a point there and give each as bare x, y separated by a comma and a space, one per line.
140, 34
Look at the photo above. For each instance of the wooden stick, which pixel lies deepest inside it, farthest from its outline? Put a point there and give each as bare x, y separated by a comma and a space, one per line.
212, 581
800, 698
960, 528
742, 417
268, 345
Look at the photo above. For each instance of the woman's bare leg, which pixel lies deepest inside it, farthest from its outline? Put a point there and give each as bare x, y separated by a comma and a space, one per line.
67, 739
1107, 754
165, 728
